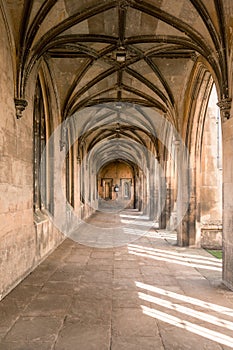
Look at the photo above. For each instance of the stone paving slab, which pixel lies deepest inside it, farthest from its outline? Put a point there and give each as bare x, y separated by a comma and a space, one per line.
93, 292
146, 295
130, 322
75, 335
137, 343
48, 305
32, 329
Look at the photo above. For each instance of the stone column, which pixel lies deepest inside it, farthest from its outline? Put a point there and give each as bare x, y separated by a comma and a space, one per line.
77, 185
181, 241
184, 219
227, 130
152, 188
172, 224
156, 184
162, 198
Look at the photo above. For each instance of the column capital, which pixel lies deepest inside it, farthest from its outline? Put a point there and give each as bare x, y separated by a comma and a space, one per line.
225, 107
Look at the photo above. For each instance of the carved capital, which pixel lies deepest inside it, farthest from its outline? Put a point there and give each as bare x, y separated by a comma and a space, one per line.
20, 105
225, 107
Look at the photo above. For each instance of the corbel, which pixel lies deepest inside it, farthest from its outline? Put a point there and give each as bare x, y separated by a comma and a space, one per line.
225, 107
20, 105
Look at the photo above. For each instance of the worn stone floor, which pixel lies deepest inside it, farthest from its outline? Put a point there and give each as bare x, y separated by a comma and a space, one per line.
147, 294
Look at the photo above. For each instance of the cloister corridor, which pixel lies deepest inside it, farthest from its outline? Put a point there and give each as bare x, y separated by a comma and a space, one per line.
116, 174
147, 294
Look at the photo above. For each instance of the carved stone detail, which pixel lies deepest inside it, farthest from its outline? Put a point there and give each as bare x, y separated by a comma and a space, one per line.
125, 3
20, 105
225, 107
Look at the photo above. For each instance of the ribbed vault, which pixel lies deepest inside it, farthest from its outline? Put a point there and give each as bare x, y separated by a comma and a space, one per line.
142, 52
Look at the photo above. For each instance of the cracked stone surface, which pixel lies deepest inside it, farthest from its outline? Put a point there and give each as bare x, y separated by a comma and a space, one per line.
147, 295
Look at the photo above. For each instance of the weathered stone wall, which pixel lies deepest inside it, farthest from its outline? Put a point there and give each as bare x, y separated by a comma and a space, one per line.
21, 246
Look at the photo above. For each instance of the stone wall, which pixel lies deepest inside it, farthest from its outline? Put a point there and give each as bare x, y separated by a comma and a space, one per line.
22, 246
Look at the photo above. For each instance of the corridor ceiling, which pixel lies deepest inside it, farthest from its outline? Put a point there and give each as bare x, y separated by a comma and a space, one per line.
138, 51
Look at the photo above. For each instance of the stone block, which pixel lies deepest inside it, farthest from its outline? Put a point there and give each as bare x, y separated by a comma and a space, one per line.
211, 237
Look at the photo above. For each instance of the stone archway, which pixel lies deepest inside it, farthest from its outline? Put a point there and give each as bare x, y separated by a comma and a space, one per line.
210, 211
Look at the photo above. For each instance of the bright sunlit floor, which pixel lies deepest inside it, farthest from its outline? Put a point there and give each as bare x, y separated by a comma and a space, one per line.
147, 294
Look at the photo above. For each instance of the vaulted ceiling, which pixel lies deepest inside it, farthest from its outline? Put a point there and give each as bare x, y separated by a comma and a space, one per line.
139, 51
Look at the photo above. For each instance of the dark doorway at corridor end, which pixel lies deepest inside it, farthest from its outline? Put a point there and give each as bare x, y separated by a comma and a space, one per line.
116, 185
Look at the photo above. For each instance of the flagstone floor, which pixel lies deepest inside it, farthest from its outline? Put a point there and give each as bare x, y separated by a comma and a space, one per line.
143, 294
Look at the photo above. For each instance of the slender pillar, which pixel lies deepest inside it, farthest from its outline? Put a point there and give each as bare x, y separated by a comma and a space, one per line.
227, 130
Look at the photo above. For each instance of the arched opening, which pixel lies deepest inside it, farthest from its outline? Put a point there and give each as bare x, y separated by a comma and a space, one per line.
39, 141
210, 210
202, 132
42, 171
